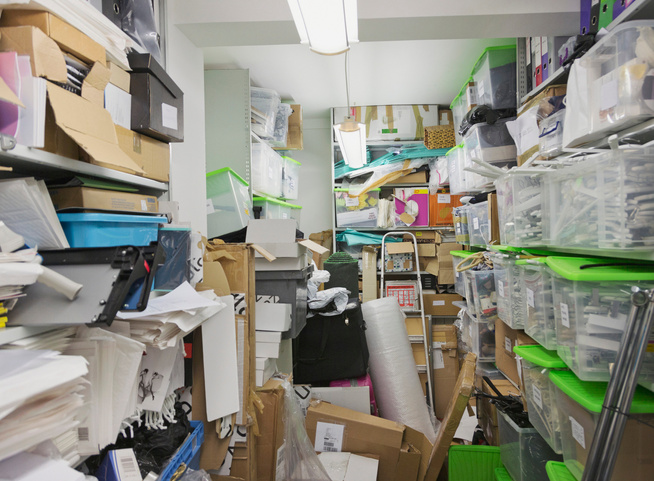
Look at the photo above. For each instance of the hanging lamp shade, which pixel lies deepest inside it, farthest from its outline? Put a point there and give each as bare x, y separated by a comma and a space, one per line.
329, 27
351, 137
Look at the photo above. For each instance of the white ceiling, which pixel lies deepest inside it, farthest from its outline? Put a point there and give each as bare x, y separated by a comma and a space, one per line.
410, 51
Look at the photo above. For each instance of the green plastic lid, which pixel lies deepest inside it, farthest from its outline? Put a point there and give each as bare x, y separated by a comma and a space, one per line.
501, 55
531, 260
461, 254
540, 356
581, 269
591, 394
285, 157
341, 189
558, 471
472, 462
460, 146
501, 474
463, 89
227, 169
294, 206
272, 201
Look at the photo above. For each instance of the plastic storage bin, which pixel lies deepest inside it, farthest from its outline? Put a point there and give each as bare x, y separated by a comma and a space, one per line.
557, 471
523, 451
290, 287
230, 202
472, 463
591, 306
272, 208
490, 143
460, 219
461, 104
290, 178
280, 133
495, 78
537, 302
267, 166
480, 337
110, 230
480, 294
358, 211
501, 474
537, 362
455, 172
265, 103
602, 202
296, 213
188, 453
580, 404
479, 225
509, 290
459, 284
550, 139
520, 209
610, 87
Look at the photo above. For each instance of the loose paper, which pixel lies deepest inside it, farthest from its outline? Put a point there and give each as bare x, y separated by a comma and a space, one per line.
329, 437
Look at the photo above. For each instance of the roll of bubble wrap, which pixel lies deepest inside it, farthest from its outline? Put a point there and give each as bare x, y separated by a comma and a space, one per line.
392, 367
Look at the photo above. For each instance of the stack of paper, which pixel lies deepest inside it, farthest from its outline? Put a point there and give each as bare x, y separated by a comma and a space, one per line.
113, 367
26, 208
168, 318
55, 340
271, 320
40, 397
32, 467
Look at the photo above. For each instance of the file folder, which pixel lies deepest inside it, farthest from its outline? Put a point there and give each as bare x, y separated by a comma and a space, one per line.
584, 17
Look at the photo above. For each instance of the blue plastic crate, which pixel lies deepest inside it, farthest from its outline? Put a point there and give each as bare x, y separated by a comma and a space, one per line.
188, 454
110, 230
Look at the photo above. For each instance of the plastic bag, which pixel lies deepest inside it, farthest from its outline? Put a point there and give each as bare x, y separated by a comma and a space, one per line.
299, 460
138, 22
192, 475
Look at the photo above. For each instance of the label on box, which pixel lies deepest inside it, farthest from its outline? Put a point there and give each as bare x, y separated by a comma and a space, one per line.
578, 432
508, 345
565, 317
128, 469
169, 116
443, 198
500, 289
538, 399
210, 209
609, 95
530, 298
351, 201
437, 359
144, 205
475, 223
438, 303
329, 437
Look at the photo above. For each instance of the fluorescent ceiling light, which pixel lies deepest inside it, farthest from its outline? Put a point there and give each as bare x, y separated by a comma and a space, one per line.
329, 27
351, 137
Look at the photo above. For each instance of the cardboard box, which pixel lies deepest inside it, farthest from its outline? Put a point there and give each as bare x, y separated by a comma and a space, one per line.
399, 257
393, 122
119, 77
493, 216
414, 456
45, 56
445, 265
359, 433
506, 339
102, 199
271, 428
427, 237
151, 155
426, 250
294, 137
414, 329
95, 83
157, 101
446, 117
441, 304
444, 336
485, 408
412, 206
356, 398
446, 372
441, 205
68, 38
419, 177
370, 288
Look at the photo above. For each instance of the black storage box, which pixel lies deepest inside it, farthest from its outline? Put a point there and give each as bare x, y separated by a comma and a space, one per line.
157, 102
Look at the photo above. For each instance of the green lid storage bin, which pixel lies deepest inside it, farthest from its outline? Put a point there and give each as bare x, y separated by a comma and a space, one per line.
472, 463
457, 257
228, 202
296, 213
455, 165
495, 77
479, 225
465, 99
557, 471
536, 279
460, 219
272, 208
480, 294
591, 306
491, 143
580, 404
359, 211
523, 451
267, 166
537, 362
519, 209
479, 337
501, 474
290, 178
510, 290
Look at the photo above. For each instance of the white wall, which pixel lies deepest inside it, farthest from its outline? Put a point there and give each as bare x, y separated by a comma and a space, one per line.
185, 64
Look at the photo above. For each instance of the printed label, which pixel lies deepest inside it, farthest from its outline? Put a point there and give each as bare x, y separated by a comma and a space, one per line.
329, 437
500, 289
508, 346
351, 201
538, 399
284, 215
126, 462
530, 298
144, 204
444, 198
438, 303
437, 359
578, 432
169, 116
565, 317
210, 209
475, 223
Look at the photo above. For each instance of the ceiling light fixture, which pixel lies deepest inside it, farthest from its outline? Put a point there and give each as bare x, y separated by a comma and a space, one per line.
350, 134
329, 27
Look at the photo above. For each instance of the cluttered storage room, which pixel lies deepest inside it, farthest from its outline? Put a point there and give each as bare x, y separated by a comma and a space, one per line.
326, 240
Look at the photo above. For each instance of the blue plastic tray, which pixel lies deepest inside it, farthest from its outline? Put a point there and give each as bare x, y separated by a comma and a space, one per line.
188, 454
110, 230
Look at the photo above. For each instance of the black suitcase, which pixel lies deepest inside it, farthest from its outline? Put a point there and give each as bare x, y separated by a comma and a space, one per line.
332, 347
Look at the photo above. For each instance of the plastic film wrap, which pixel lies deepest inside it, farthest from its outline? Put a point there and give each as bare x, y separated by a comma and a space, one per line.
392, 367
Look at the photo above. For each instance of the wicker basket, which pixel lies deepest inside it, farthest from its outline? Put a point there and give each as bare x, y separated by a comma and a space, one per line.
439, 137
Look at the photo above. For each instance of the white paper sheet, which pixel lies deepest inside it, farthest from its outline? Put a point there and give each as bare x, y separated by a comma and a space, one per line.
183, 298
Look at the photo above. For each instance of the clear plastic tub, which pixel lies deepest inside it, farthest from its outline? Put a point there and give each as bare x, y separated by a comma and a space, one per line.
537, 363
296, 213
280, 133
290, 178
230, 202
550, 139
580, 404
509, 290
495, 77
461, 104
480, 294
358, 211
519, 208
460, 219
455, 170
479, 225
602, 202
523, 451
272, 208
266, 170
591, 306
479, 336
490, 143
265, 103
537, 302
459, 285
